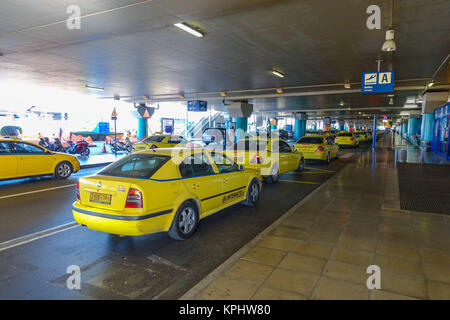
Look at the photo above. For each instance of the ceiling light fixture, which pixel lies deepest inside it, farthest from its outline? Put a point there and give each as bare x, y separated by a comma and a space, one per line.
277, 73
223, 94
389, 45
94, 87
279, 90
189, 29
430, 84
347, 86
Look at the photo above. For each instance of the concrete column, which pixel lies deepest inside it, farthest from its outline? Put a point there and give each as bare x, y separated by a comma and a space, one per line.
413, 124
241, 123
431, 101
142, 128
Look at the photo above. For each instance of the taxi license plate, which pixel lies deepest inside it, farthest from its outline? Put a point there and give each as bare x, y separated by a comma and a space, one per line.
100, 198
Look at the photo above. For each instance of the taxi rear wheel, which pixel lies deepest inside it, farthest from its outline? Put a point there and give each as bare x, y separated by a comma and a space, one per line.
63, 170
274, 175
301, 165
328, 159
253, 193
185, 222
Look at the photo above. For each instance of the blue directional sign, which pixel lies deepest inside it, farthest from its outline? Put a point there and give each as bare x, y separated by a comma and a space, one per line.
197, 105
377, 82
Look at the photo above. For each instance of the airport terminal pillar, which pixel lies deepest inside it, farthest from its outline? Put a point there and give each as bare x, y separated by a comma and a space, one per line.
404, 129
300, 125
412, 126
427, 128
431, 101
142, 128
241, 123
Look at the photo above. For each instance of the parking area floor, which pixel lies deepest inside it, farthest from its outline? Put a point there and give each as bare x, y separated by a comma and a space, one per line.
39, 240
322, 247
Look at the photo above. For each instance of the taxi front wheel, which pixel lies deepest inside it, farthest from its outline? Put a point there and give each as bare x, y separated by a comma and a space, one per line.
63, 170
253, 193
185, 222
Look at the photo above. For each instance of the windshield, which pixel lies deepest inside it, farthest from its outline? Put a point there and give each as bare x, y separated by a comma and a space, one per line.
310, 140
154, 139
136, 166
250, 145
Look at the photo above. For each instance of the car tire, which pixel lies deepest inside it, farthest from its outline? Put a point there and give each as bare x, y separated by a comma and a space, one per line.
187, 212
86, 152
253, 194
337, 155
63, 170
301, 165
274, 175
328, 159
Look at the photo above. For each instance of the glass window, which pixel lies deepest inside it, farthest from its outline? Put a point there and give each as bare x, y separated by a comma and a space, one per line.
196, 165
21, 147
176, 139
223, 163
4, 148
250, 145
345, 134
136, 166
154, 139
284, 147
310, 140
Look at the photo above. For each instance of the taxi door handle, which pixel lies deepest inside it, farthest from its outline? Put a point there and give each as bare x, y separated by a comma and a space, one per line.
195, 186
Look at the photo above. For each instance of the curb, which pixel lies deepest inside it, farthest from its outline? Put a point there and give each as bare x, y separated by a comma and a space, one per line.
200, 286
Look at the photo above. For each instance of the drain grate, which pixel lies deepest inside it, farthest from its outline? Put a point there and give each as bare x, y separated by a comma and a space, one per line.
424, 188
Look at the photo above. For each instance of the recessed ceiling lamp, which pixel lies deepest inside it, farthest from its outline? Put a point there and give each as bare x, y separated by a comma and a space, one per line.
389, 45
223, 94
185, 27
279, 90
277, 73
347, 85
94, 87
341, 103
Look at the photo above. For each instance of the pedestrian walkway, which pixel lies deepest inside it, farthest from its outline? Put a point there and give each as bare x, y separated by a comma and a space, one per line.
322, 247
405, 152
96, 160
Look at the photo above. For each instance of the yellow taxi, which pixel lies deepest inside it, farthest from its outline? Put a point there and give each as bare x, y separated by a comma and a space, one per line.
162, 141
270, 156
318, 148
21, 159
347, 139
163, 190
363, 136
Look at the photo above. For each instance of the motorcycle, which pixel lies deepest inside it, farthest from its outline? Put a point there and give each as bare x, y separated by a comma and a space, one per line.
58, 147
81, 147
120, 146
45, 142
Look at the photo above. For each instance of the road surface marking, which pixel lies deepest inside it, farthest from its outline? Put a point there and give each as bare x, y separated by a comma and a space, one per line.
321, 170
37, 235
36, 191
296, 181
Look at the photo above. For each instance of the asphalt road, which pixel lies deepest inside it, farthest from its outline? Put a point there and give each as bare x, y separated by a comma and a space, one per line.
146, 267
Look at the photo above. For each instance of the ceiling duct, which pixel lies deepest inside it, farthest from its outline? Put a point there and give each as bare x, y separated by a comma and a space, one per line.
240, 109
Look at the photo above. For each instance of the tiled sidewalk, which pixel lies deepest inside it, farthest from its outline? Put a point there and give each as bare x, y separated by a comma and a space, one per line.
321, 249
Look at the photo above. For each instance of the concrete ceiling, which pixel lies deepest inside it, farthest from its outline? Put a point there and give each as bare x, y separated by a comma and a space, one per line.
132, 49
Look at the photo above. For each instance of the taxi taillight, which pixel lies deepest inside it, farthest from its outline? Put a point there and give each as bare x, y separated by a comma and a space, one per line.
134, 199
257, 159
319, 149
78, 191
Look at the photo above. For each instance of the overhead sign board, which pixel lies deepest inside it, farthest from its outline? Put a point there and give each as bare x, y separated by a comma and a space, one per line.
197, 105
377, 82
